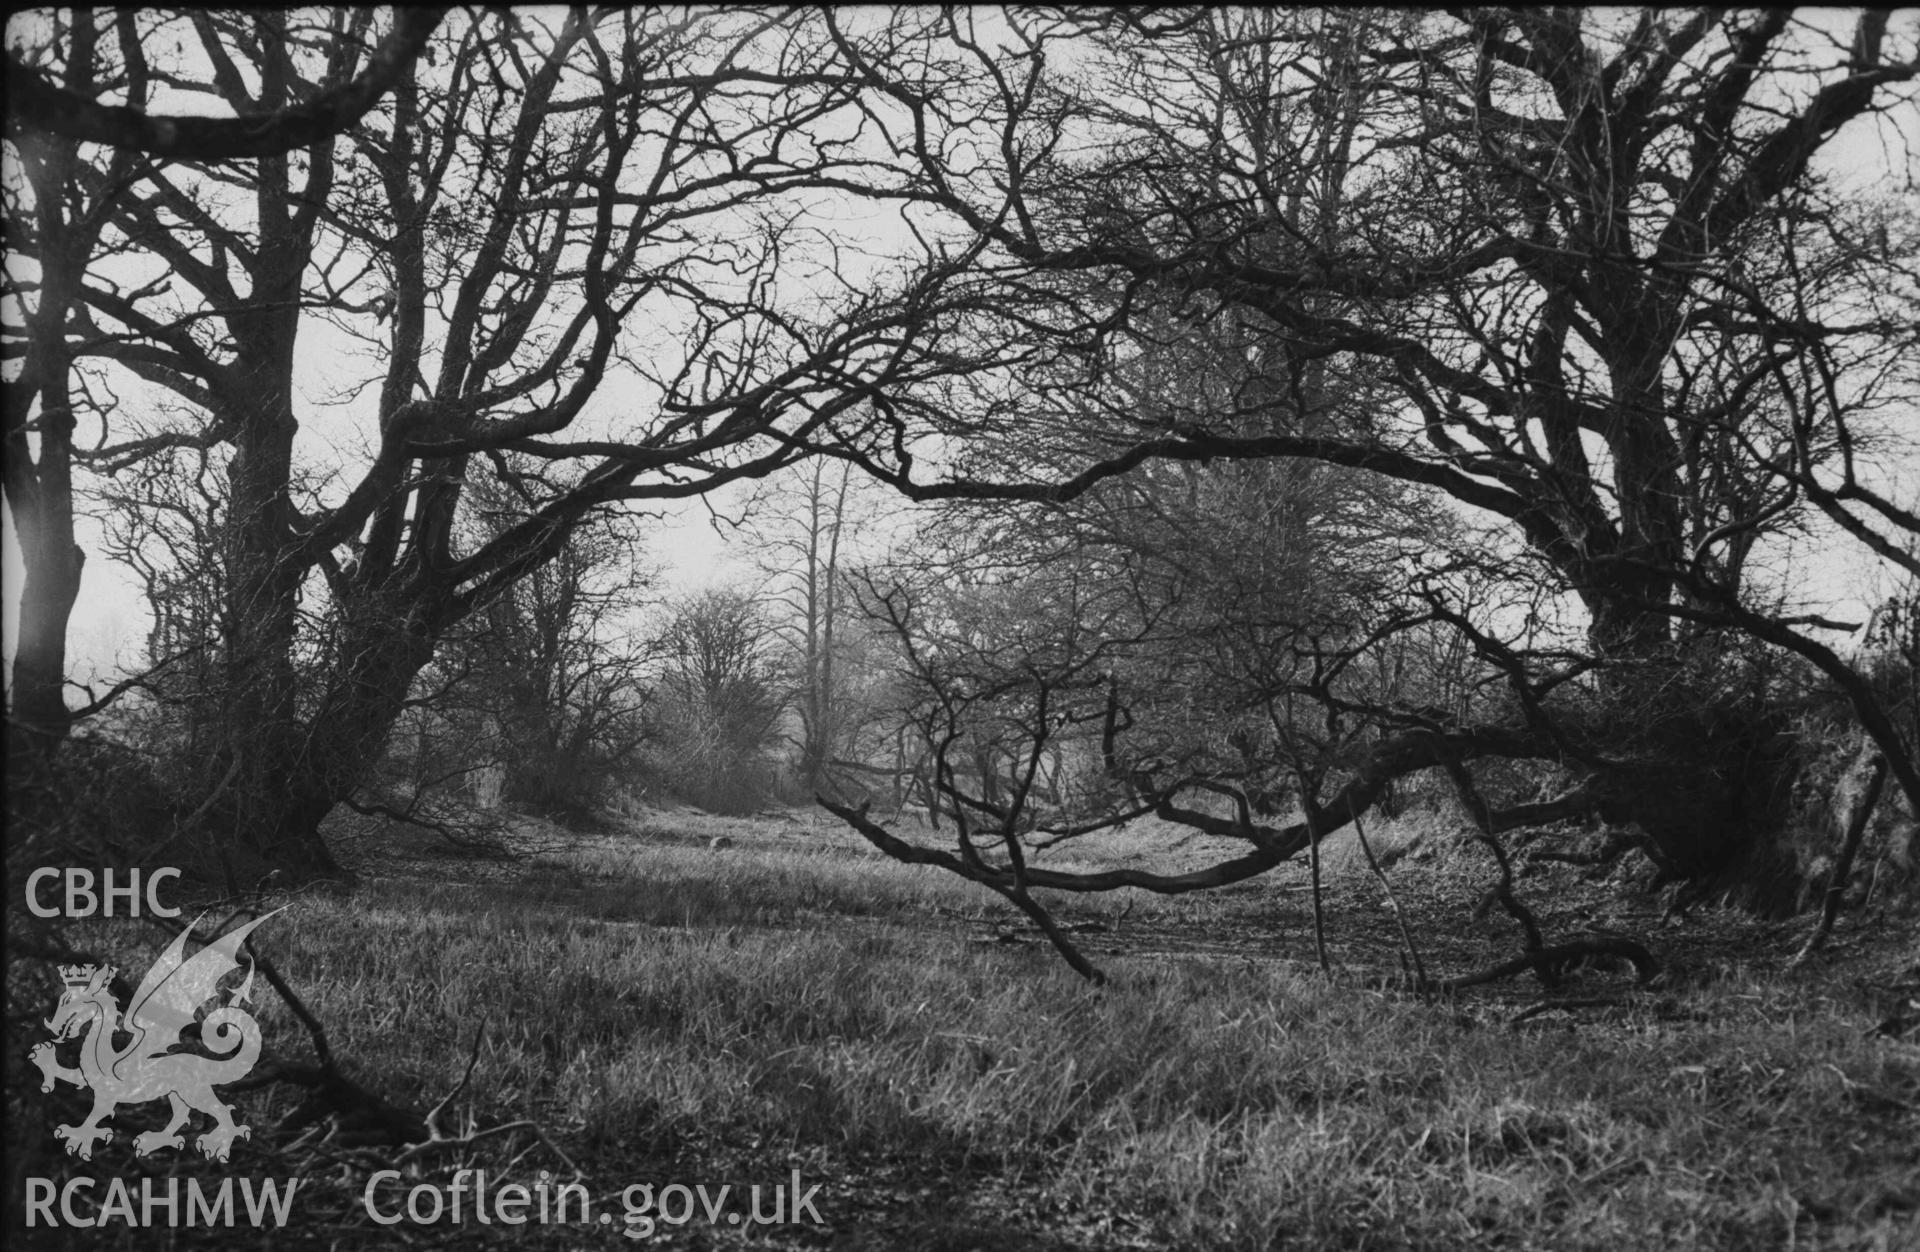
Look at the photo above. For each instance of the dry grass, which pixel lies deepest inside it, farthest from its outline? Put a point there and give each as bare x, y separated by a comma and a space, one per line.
668, 1010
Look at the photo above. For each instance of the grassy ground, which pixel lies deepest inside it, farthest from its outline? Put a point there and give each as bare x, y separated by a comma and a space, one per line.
660, 1011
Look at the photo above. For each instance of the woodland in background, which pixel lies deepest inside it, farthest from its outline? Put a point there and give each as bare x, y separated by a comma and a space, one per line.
1283, 415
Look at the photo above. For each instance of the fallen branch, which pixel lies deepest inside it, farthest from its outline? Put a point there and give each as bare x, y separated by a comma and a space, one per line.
1027, 904
437, 1139
1313, 871
1380, 872
1546, 962
1486, 831
370, 1117
485, 841
1548, 1006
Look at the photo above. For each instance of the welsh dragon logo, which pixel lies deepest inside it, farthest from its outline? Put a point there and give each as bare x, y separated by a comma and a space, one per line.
144, 1069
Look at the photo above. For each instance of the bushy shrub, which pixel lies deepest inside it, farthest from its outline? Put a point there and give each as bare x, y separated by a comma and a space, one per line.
719, 703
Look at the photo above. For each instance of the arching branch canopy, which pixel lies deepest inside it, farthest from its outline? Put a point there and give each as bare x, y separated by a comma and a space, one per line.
36, 102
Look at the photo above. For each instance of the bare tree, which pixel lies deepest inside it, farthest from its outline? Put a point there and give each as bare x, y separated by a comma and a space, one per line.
548, 682
1546, 265
55, 215
162, 519
1531, 248
721, 699
532, 210
802, 527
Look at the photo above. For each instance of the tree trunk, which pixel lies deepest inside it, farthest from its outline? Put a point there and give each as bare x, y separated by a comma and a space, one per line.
38, 718
39, 489
293, 775
264, 735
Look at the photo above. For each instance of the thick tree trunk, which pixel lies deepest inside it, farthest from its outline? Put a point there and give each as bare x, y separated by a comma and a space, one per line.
264, 734
38, 718
1621, 628
39, 488
298, 770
